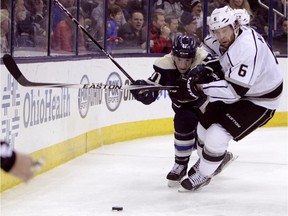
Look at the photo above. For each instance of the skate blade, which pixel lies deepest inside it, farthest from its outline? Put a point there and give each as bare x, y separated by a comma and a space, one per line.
183, 190
226, 165
172, 184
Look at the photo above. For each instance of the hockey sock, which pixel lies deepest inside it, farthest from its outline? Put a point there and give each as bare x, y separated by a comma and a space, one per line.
182, 160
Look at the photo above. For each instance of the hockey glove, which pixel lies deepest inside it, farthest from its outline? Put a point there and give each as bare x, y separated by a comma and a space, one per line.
202, 74
144, 95
182, 94
193, 88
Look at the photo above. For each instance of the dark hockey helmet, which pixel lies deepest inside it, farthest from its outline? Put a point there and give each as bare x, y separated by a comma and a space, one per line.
184, 46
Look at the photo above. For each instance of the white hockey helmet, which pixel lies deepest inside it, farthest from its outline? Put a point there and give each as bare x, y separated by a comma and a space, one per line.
222, 17
242, 16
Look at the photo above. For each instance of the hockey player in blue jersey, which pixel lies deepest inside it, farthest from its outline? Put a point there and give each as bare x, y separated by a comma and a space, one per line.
243, 100
168, 71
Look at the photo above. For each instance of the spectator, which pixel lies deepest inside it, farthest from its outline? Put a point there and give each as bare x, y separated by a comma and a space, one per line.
280, 41
172, 23
158, 6
63, 38
4, 19
278, 5
24, 26
5, 4
186, 5
58, 14
196, 10
189, 26
132, 32
168, 7
114, 20
259, 17
259, 21
136, 5
216, 4
125, 13
159, 34
96, 26
88, 6
40, 23
240, 4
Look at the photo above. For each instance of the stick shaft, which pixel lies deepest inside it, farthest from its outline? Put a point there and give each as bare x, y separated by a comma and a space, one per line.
22, 80
94, 41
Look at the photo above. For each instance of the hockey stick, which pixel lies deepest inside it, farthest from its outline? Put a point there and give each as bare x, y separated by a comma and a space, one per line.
22, 80
95, 42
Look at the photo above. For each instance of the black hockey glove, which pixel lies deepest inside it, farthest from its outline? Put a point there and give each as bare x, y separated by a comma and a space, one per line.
182, 94
144, 95
202, 74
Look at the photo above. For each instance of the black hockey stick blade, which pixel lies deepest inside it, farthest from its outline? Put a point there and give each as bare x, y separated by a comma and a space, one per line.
22, 80
16, 73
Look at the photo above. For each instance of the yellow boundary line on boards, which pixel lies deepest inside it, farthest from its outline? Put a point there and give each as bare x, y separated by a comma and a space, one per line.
62, 152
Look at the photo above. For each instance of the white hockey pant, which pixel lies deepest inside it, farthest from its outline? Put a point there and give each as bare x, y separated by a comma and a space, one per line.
215, 141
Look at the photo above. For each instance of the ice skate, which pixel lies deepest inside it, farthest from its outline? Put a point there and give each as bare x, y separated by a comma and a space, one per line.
228, 159
194, 182
176, 174
194, 168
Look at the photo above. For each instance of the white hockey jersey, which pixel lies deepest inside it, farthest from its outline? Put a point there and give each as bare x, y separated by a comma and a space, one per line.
251, 71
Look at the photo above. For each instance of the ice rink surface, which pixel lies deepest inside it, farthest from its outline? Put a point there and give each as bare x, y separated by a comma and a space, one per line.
133, 175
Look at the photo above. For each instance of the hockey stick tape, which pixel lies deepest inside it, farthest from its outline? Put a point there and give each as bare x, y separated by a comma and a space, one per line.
38, 164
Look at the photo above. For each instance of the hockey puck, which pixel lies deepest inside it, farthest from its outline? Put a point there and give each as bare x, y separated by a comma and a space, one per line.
117, 208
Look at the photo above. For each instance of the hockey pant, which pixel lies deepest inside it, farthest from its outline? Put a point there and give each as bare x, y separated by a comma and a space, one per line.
223, 122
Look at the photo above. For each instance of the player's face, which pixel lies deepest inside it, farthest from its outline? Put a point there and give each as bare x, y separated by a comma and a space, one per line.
225, 36
183, 64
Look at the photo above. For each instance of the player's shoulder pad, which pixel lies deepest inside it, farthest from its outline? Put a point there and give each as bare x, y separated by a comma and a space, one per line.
243, 49
201, 54
165, 62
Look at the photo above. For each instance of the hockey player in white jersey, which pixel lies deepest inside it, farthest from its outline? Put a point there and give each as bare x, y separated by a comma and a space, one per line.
168, 70
244, 100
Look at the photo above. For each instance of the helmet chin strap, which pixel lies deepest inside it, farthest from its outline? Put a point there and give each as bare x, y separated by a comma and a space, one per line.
236, 29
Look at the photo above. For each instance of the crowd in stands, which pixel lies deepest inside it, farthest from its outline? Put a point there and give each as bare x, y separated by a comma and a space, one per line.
125, 24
